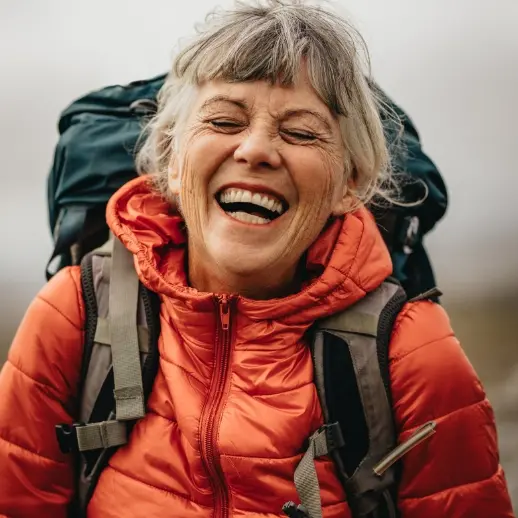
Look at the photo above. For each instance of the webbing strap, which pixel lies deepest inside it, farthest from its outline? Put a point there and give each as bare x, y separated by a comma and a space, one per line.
106, 434
102, 334
123, 302
354, 322
321, 443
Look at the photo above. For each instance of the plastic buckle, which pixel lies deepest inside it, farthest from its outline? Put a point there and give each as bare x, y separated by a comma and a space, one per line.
143, 107
66, 435
292, 510
334, 436
410, 234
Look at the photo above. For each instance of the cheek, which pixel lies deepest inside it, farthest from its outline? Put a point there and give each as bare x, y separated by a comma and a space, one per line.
202, 155
194, 147
317, 176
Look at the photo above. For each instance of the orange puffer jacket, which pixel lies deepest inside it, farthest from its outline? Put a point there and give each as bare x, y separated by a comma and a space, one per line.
230, 411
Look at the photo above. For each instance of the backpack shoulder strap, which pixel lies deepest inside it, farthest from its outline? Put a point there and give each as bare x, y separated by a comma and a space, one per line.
352, 378
357, 341
120, 360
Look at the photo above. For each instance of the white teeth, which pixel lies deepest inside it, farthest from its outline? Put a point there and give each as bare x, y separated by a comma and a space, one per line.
244, 196
249, 218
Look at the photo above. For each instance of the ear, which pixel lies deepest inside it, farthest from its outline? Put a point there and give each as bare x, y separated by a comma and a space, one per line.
344, 199
173, 175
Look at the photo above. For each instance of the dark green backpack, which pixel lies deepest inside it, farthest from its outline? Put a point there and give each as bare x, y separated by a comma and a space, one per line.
94, 156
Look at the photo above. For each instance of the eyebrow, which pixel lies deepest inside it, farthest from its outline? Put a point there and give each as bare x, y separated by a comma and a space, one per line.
303, 111
240, 103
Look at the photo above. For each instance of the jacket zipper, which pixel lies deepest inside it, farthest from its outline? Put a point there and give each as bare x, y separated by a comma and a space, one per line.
213, 408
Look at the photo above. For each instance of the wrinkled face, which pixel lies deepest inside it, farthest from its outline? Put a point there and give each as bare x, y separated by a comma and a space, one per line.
259, 171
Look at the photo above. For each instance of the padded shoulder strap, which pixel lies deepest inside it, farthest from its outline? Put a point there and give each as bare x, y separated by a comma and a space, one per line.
365, 329
119, 362
111, 292
352, 378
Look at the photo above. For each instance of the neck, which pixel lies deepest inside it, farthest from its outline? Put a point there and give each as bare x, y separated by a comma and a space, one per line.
212, 278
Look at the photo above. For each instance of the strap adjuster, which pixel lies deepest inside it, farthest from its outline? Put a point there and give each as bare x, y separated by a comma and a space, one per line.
326, 439
410, 233
66, 435
292, 510
334, 436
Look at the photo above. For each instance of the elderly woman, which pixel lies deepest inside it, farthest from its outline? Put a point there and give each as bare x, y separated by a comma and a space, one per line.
250, 229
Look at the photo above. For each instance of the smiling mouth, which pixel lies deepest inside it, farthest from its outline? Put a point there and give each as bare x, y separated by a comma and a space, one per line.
251, 207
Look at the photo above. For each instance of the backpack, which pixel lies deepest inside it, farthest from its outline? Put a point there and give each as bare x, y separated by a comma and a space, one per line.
351, 374
94, 156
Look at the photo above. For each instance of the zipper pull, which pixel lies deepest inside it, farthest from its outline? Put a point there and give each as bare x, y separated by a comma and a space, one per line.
224, 313
420, 435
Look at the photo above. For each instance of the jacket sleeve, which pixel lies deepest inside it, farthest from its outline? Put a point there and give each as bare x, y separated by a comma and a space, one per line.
456, 473
38, 389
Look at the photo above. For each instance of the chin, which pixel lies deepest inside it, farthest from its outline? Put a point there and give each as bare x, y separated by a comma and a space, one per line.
243, 261
244, 264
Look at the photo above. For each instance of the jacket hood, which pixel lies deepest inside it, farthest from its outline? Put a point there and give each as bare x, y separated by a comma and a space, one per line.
348, 260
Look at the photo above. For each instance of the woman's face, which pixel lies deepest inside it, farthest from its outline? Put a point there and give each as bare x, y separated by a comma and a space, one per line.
259, 171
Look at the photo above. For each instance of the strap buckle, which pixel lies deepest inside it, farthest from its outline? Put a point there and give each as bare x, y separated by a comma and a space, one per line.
143, 107
66, 435
333, 434
292, 510
410, 232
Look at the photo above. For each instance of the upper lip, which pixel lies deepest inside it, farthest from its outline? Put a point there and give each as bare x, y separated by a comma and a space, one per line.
256, 188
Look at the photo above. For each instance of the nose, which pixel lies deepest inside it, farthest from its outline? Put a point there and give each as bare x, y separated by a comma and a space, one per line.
258, 150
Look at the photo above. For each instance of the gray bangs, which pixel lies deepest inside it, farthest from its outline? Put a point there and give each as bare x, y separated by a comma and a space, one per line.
269, 42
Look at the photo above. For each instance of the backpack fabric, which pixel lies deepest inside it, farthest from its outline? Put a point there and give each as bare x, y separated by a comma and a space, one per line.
350, 352
94, 156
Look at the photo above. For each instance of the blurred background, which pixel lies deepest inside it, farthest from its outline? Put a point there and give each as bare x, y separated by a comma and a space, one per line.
453, 66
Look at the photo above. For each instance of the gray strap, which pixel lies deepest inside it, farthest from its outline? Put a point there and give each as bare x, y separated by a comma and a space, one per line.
427, 295
124, 287
106, 249
102, 334
101, 435
354, 322
363, 317
321, 443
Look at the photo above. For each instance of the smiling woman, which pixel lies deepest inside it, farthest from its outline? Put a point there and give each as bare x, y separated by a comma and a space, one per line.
259, 99
242, 319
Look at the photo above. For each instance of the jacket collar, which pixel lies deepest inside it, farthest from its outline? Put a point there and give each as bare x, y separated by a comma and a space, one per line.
348, 260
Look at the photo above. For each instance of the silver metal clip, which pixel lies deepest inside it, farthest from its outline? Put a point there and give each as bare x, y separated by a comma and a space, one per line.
421, 434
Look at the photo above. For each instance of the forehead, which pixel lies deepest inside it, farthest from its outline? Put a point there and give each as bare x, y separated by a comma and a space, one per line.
259, 95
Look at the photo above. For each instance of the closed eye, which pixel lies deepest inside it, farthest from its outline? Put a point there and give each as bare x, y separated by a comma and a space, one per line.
300, 135
225, 124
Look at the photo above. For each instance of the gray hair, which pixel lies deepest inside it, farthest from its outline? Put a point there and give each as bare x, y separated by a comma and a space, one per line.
268, 40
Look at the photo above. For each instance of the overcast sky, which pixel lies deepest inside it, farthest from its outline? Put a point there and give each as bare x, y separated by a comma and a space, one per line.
452, 64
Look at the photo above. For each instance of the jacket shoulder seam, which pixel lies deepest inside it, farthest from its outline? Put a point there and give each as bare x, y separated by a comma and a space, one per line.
407, 308
73, 324
397, 358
